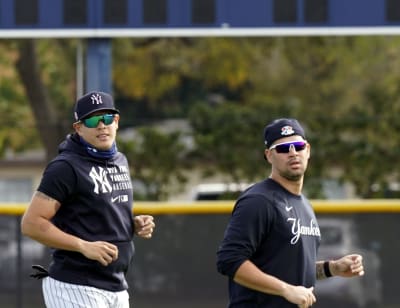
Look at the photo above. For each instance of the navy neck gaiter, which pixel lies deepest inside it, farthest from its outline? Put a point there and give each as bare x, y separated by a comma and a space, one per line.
104, 154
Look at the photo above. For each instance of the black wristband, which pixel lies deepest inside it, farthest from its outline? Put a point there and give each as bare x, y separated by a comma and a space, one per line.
327, 271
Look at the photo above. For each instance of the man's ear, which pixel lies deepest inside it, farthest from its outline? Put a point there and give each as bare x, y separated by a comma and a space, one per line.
116, 119
77, 127
267, 155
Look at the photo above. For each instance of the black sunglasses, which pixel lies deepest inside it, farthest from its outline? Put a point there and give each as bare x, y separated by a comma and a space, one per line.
285, 147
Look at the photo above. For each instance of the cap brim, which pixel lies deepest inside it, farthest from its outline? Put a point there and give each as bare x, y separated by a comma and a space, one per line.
97, 110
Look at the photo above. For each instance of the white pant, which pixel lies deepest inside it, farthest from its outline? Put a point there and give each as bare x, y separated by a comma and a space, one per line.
58, 294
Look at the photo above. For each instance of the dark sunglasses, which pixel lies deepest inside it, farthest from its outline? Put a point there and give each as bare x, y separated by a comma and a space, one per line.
285, 147
94, 121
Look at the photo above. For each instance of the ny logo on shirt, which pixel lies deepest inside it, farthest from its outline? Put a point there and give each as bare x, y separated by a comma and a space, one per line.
100, 180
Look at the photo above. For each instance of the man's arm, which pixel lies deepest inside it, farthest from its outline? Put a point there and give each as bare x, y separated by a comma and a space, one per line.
251, 277
323, 269
36, 223
347, 266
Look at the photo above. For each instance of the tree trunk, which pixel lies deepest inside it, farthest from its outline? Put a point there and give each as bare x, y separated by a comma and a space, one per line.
48, 123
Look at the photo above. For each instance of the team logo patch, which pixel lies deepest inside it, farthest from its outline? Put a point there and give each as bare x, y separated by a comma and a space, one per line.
287, 130
96, 99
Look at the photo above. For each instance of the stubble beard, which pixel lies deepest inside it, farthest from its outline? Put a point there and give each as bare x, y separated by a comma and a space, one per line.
292, 176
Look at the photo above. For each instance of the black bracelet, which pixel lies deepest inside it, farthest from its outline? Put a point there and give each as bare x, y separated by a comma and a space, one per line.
327, 271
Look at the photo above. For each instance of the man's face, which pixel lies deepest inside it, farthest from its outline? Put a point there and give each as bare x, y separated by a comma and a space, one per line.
289, 157
102, 136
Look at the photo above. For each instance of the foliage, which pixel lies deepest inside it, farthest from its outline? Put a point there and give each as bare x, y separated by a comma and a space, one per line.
344, 90
156, 160
58, 67
229, 138
16, 128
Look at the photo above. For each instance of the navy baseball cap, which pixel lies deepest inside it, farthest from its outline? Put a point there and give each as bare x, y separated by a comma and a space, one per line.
281, 128
92, 102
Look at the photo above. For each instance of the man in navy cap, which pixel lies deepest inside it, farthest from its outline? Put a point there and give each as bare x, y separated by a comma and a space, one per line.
82, 209
270, 245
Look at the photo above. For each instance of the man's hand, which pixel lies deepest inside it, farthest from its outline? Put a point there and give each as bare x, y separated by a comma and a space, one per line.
347, 266
103, 252
302, 296
144, 226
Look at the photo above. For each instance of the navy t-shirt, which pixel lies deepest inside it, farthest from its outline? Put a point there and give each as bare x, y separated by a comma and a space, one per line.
278, 232
96, 205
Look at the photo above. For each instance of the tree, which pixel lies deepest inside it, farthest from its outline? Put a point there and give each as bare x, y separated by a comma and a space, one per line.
343, 89
156, 160
50, 123
17, 131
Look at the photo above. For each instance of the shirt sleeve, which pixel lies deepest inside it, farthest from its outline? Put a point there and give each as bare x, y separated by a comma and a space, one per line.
247, 228
58, 181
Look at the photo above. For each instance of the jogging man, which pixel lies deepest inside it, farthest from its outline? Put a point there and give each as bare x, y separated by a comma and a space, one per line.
269, 250
83, 210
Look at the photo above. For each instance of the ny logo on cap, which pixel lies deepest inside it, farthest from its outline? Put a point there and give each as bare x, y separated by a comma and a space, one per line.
96, 99
287, 130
